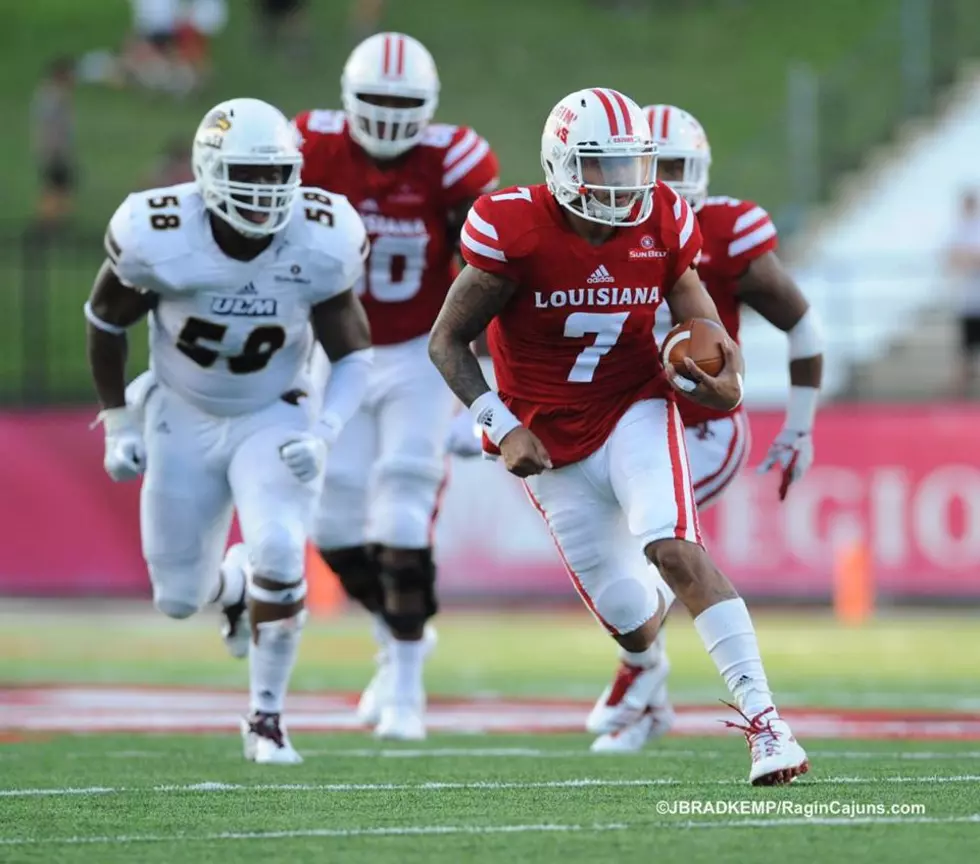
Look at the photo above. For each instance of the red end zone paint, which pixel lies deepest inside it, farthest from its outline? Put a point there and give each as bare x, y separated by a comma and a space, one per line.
142, 709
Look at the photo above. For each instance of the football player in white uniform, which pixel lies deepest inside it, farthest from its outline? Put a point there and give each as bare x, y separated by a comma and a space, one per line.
238, 272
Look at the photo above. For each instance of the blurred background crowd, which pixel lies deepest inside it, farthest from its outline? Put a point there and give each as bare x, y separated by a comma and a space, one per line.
856, 124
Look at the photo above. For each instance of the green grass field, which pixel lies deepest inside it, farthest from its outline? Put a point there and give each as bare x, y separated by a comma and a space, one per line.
488, 798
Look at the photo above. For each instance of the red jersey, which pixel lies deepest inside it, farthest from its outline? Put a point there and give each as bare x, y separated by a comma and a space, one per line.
405, 207
735, 233
574, 347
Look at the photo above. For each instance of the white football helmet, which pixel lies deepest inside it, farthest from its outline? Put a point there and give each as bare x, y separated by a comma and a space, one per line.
237, 149
680, 136
599, 158
389, 66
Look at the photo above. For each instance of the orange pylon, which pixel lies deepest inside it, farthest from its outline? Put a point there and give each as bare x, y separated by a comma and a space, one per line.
324, 594
853, 584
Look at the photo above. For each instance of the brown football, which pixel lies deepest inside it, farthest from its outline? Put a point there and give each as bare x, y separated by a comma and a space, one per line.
699, 339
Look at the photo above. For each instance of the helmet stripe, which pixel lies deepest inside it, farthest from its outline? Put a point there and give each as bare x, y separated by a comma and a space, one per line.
401, 55
387, 56
610, 112
625, 109
652, 117
665, 122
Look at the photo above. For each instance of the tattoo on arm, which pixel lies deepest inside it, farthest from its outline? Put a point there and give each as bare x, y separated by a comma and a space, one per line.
119, 306
341, 325
474, 300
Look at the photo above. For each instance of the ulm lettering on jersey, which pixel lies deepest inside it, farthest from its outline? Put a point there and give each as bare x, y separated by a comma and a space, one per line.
245, 307
597, 297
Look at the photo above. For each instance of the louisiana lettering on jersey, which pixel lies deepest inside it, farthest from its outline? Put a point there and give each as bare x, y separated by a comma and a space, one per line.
231, 336
597, 297
407, 208
570, 360
392, 227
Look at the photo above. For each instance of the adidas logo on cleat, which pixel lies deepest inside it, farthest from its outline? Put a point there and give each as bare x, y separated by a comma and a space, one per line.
601, 275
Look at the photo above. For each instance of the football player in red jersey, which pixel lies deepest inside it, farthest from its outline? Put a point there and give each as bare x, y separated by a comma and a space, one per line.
567, 278
413, 182
738, 265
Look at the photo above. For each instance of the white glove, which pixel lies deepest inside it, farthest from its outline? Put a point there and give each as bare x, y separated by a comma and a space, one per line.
464, 438
125, 452
306, 456
793, 452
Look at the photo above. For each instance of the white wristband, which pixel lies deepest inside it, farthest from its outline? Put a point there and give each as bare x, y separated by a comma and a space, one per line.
741, 390
493, 417
115, 420
801, 408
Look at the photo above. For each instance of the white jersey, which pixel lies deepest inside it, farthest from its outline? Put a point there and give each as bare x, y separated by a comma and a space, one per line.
232, 336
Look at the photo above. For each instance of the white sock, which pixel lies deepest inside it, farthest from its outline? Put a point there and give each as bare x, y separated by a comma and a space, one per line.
727, 632
271, 661
407, 662
231, 577
645, 659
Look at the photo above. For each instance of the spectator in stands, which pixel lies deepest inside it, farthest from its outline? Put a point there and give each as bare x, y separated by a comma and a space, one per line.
167, 49
53, 141
151, 56
964, 260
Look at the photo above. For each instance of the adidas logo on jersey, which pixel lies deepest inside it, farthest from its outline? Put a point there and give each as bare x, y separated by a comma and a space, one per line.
245, 307
368, 205
601, 275
248, 289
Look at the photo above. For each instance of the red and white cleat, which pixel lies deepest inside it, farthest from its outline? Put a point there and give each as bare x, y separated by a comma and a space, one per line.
654, 722
777, 758
625, 701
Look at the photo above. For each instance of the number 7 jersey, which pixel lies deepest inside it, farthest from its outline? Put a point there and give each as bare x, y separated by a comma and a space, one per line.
574, 347
232, 336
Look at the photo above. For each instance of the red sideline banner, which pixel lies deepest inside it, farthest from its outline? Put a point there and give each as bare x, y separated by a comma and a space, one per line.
903, 480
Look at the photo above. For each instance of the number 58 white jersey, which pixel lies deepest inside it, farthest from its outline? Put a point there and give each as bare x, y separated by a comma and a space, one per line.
232, 336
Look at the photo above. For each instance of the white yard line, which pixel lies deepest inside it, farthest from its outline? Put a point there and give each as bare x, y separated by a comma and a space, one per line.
528, 753
408, 830
423, 830
584, 783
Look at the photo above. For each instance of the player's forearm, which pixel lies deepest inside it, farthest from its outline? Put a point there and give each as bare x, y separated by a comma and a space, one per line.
346, 387
806, 343
458, 365
688, 299
107, 359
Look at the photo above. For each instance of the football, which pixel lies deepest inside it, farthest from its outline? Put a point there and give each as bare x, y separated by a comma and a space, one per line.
699, 339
